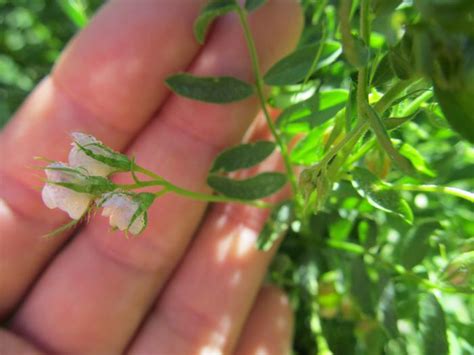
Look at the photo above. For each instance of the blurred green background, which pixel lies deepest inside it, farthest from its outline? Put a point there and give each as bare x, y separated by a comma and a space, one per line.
32, 34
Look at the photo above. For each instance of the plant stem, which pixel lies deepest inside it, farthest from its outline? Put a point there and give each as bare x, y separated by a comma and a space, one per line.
362, 82
392, 94
170, 187
396, 268
454, 191
316, 327
317, 56
261, 96
416, 103
212, 198
365, 21
362, 126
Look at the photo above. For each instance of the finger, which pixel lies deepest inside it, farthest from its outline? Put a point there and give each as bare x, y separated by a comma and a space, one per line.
269, 327
222, 271
108, 83
208, 297
11, 344
120, 278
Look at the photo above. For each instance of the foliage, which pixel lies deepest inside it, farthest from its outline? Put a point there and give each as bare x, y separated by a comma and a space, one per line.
32, 34
378, 255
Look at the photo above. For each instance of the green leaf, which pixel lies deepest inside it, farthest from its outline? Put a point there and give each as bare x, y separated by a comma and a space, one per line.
93, 185
415, 247
277, 224
392, 123
145, 200
383, 139
340, 229
256, 187
330, 98
219, 90
294, 67
213, 9
454, 15
75, 10
319, 117
106, 155
355, 51
460, 269
395, 347
313, 111
242, 156
416, 159
383, 73
387, 311
367, 231
400, 58
379, 194
310, 149
384, 7
361, 286
251, 5
458, 107
432, 326
298, 110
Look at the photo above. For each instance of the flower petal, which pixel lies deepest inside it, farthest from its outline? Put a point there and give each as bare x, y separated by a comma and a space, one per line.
75, 204
120, 208
47, 195
77, 158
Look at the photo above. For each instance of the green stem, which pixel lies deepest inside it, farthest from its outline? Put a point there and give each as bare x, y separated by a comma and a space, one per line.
454, 191
212, 198
346, 246
362, 82
317, 56
383, 138
355, 134
348, 42
361, 152
365, 21
396, 268
362, 126
392, 94
261, 96
170, 187
317, 328
416, 103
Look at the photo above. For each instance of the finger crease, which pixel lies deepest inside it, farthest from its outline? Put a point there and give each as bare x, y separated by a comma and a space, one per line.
95, 114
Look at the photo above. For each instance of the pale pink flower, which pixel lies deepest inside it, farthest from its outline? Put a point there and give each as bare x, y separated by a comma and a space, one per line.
78, 158
74, 203
120, 208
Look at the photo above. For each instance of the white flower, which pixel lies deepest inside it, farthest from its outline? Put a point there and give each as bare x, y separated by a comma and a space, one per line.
78, 158
55, 196
120, 208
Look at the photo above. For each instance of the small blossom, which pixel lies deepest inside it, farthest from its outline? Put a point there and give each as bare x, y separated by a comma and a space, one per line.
74, 203
121, 209
79, 158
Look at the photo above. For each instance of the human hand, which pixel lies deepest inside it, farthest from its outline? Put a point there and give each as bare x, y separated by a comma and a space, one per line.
176, 289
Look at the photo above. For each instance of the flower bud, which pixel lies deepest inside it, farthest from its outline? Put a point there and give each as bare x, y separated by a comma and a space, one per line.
127, 211
98, 159
74, 203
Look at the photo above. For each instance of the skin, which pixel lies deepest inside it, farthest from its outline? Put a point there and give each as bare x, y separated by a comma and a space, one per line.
192, 282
